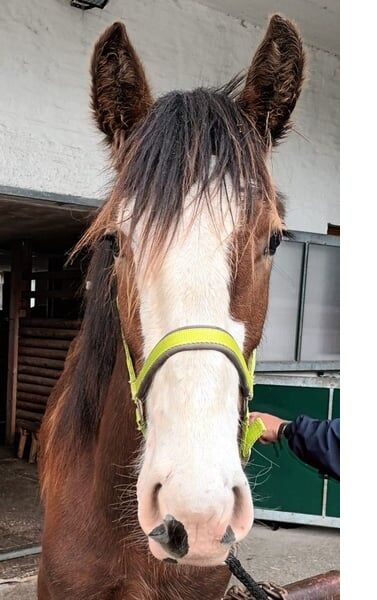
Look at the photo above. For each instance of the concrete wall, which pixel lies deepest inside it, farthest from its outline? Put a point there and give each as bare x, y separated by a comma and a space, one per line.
48, 141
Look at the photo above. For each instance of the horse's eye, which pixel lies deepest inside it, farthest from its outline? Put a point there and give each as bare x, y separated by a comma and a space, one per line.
274, 242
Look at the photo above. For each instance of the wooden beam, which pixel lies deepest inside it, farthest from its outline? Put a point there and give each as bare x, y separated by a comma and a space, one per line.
60, 323
36, 380
39, 354
44, 343
33, 398
20, 263
52, 333
39, 371
29, 415
35, 408
30, 388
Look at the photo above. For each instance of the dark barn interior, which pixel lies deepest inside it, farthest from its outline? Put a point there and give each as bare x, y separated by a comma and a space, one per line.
40, 304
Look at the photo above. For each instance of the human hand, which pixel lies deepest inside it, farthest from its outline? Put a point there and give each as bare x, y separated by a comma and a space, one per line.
272, 425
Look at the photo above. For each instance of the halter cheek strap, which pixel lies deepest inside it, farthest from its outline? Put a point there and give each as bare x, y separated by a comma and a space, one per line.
197, 338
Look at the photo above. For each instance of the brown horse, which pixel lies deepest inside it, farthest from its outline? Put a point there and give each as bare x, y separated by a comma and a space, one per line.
185, 239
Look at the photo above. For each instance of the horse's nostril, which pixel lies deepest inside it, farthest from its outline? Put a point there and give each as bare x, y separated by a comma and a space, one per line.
172, 536
178, 542
160, 534
228, 537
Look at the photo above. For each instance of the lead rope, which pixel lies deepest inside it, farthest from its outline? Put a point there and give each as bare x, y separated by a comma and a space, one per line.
239, 572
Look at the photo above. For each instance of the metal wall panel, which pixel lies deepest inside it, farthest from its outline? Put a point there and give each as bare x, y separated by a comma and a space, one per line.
320, 337
279, 335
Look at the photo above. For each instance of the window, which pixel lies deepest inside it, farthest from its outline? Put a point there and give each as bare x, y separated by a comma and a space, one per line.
302, 324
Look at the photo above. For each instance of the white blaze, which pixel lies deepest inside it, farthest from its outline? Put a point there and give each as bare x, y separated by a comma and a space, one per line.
192, 410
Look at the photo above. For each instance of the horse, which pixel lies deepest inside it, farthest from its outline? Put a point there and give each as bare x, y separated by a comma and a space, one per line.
148, 507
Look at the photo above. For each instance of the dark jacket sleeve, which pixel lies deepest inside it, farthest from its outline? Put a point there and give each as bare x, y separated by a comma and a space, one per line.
316, 443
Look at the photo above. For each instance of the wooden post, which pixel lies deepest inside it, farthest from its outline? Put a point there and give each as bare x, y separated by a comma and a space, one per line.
22, 442
34, 447
20, 262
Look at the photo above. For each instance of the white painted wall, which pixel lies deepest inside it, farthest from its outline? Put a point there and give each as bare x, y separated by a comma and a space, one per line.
48, 141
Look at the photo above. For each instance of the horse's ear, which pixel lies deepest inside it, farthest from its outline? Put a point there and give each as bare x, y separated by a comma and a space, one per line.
274, 80
120, 92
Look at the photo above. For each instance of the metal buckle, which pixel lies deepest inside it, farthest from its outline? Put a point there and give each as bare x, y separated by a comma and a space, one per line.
139, 412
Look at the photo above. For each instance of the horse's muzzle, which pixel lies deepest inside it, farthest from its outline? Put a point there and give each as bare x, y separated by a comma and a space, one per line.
172, 537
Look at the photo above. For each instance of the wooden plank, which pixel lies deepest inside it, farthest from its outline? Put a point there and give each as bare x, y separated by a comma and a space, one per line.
49, 333
22, 442
31, 388
39, 371
37, 343
37, 361
38, 408
27, 414
34, 448
29, 397
35, 380
59, 323
40, 353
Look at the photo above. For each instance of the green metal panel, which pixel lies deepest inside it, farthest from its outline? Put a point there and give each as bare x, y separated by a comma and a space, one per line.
336, 405
279, 480
333, 490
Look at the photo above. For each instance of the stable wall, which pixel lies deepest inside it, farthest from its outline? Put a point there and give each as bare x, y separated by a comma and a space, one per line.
48, 142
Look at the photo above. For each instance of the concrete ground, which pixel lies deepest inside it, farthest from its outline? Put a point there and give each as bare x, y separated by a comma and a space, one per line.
282, 556
20, 514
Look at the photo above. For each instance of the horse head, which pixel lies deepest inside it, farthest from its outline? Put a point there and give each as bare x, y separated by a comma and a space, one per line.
197, 220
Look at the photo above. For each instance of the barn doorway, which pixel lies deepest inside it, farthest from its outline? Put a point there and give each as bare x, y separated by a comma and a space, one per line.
40, 301
40, 310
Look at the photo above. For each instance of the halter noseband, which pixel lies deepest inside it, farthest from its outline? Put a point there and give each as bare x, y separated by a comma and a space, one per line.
197, 338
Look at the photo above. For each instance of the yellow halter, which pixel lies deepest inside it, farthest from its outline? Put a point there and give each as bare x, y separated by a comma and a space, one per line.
197, 338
